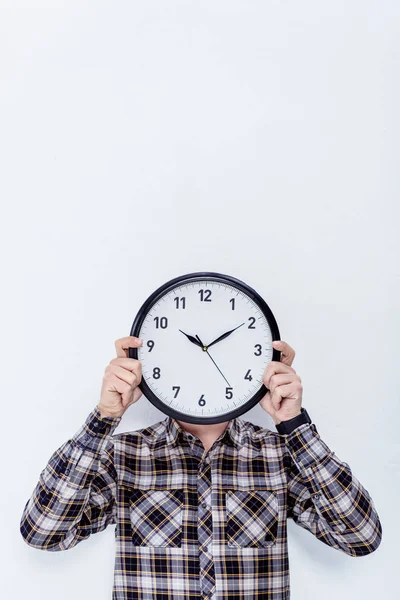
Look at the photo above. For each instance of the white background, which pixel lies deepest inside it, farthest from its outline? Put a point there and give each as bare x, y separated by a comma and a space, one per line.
144, 140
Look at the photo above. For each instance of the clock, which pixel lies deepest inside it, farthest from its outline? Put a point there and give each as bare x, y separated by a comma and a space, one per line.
207, 339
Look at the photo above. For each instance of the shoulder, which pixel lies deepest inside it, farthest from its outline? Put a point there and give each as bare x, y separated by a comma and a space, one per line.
145, 435
258, 433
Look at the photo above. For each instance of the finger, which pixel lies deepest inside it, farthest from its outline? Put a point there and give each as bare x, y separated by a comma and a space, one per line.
136, 394
129, 399
280, 393
130, 377
287, 352
123, 344
275, 367
115, 384
132, 364
277, 397
281, 379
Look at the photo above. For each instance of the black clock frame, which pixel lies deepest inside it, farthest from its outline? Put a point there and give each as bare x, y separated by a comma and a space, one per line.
184, 279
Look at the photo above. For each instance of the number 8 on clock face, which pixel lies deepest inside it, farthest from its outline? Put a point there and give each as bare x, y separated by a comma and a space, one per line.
207, 339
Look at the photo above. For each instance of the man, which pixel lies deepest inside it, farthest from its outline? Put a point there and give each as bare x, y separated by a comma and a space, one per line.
200, 510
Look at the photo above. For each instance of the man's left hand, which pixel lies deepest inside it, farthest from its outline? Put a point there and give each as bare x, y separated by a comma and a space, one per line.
285, 391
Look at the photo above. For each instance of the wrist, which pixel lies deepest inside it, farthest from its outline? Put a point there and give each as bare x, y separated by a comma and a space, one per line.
104, 413
289, 417
287, 426
94, 433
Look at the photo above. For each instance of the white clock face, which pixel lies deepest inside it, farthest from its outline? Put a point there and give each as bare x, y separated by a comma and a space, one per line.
182, 365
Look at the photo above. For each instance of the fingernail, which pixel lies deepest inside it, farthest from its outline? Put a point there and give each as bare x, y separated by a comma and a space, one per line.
277, 342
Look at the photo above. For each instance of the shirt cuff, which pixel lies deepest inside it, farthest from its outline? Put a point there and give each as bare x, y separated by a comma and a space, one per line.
93, 434
306, 447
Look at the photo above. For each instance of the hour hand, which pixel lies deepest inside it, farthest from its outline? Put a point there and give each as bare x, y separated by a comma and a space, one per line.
191, 338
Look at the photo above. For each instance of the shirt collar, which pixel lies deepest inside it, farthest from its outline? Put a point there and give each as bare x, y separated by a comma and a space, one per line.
173, 434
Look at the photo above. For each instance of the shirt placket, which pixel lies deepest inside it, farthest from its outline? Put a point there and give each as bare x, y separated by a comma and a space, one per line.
204, 521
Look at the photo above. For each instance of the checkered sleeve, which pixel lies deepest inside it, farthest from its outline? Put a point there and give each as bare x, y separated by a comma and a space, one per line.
75, 494
326, 498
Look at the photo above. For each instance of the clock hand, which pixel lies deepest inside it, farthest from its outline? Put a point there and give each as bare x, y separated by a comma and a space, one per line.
192, 339
201, 343
205, 349
224, 335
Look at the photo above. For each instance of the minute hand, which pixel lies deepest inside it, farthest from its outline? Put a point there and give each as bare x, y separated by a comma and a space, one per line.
224, 335
205, 349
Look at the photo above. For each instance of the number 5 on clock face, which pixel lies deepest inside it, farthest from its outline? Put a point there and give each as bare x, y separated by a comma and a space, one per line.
207, 339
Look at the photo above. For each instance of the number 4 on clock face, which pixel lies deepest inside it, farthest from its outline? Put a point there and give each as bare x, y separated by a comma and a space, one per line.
207, 339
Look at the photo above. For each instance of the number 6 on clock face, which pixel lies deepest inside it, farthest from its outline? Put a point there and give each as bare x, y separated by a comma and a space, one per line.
207, 339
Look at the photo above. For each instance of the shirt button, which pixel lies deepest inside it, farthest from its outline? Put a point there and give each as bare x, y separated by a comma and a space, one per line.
317, 496
204, 505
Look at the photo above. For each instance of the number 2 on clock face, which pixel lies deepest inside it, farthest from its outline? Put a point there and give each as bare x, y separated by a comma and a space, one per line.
186, 366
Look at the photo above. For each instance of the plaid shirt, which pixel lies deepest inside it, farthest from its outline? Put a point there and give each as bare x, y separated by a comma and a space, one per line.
193, 524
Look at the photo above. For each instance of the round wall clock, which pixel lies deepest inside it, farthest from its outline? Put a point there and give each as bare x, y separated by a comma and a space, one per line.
207, 339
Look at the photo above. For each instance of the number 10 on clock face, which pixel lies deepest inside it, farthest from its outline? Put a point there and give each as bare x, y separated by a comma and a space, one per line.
207, 339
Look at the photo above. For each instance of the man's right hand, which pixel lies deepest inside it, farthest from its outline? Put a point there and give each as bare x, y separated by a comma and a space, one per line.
121, 379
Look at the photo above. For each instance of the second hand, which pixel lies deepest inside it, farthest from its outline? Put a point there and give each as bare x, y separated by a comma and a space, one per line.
205, 349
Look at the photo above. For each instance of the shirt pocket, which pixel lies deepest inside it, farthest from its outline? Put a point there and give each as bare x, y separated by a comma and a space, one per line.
156, 517
252, 518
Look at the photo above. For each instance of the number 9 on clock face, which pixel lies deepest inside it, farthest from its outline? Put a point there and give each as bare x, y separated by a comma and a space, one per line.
207, 339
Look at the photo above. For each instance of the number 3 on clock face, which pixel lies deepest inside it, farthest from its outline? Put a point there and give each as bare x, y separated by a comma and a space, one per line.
207, 339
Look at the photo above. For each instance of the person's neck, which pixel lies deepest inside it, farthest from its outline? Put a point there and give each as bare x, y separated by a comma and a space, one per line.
206, 433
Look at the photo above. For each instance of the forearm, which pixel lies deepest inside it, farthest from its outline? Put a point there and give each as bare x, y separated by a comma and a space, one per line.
57, 516
337, 508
